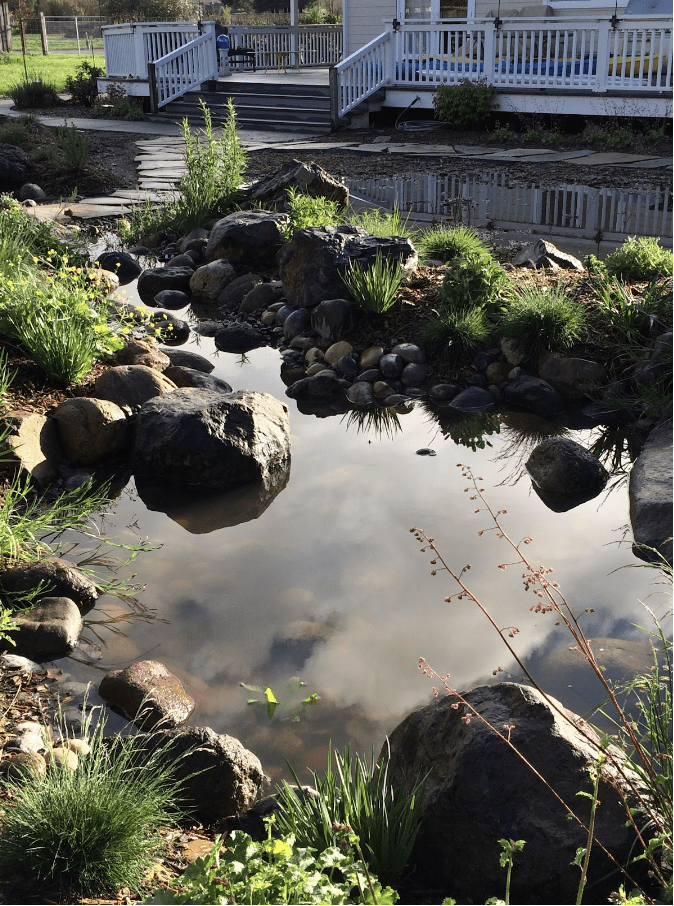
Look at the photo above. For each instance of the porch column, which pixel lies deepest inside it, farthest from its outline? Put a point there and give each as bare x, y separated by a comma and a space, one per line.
294, 19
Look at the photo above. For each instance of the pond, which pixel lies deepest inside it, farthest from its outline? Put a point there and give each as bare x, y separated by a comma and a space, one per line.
325, 582
581, 218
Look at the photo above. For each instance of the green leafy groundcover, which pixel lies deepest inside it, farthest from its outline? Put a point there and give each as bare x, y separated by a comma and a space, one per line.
276, 871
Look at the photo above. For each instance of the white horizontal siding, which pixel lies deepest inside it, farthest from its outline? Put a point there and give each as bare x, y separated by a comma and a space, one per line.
366, 22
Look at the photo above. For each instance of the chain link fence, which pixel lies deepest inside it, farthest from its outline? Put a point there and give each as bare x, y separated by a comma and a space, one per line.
60, 34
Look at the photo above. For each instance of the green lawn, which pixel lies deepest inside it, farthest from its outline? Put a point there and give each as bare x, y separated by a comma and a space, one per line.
53, 68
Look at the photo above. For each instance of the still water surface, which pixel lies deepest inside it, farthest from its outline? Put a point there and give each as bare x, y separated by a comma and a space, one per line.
328, 584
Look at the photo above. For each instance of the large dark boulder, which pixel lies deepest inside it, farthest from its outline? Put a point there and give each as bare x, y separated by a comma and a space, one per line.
478, 790
535, 394
148, 694
54, 577
308, 178
155, 280
651, 496
121, 263
213, 439
252, 238
312, 263
565, 474
221, 777
14, 166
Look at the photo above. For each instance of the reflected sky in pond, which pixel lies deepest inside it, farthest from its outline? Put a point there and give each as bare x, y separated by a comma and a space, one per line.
324, 580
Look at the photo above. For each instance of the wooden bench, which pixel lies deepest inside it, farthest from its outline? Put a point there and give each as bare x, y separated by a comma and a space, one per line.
241, 55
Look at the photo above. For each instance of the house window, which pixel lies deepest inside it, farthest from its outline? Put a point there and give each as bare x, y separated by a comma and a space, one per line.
434, 9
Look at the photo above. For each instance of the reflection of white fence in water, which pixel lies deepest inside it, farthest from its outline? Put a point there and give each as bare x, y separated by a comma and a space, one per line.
497, 202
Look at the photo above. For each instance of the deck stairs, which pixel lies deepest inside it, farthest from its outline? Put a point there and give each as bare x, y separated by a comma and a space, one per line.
287, 107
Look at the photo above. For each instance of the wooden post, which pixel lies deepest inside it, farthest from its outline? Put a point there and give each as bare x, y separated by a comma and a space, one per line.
22, 29
5, 29
43, 33
152, 78
334, 97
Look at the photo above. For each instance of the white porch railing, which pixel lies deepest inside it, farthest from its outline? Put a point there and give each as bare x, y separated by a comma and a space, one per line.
130, 47
583, 55
183, 69
314, 45
358, 77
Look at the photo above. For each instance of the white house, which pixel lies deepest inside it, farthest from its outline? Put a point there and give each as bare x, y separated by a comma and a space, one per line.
563, 56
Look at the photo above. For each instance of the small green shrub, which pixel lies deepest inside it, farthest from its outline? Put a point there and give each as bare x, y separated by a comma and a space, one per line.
74, 148
450, 243
92, 829
375, 287
465, 104
215, 167
541, 320
276, 871
551, 139
625, 314
463, 331
472, 281
83, 86
60, 319
502, 133
640, 259
379, 223
115, 104
655, 136
306, 211
36, 93
385, 820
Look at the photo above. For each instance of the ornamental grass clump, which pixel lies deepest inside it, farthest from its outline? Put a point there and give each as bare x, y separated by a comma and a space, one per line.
93, 829
542, 320
357, 795
375, 287
451, 243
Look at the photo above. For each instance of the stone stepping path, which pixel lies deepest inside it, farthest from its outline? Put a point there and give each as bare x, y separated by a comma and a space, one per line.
160, 166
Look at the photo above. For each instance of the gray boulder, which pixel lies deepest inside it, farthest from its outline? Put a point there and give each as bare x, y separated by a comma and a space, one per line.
478, 790
222, 778
172, 331
154, 280
650, 492
92, 430
312, 262
262, 295
192, 377
14, 166
250, 237
58, 578
544, 254
48, 630
148, 694
308, 178
33, 445
172, 299
201, 437
142, 352
235, 292
209, 280
122, 264
571, 376
473, 399
237, 337
535, 394
561, 466
131, 385
332, 318
187, 359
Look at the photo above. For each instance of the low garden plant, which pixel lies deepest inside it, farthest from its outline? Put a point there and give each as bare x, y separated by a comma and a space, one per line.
641, 730
542, 320
92, 829
465, 104
359, 796
448, 244
640, 259
375, 287
306, 211
215, 167
83, 86
278, 870
380, 223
